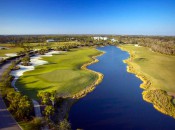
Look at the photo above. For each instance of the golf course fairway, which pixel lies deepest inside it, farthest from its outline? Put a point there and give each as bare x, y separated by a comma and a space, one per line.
63, 73
157, 72
158, 68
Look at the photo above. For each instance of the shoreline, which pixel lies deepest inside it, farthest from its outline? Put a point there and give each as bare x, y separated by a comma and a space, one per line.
74, 98
145, 85
37, 61
91, 87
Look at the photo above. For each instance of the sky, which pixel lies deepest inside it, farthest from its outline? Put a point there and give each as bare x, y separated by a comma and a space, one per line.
119, 17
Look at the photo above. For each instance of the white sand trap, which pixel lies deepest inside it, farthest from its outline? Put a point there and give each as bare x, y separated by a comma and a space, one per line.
52, 52
18, 73
35, 61
36, 49
136, 45
3, 58
11, 54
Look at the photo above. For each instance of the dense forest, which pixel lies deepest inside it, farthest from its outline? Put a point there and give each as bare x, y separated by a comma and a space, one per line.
39, 38
165, 45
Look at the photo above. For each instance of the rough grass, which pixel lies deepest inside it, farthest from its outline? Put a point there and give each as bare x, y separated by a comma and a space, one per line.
157, 73
63, 74
160, 100
158, 68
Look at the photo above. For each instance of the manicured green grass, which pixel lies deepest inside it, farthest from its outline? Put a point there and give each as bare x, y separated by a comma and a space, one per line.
159, 68
62, 73
10, 50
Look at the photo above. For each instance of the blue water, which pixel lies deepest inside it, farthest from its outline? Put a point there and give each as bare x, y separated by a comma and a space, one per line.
117, 102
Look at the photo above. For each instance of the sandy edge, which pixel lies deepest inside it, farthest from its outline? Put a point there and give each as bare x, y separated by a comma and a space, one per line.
84, 92
8, 55
146, 82
91, 87
64, 110
35, 61
80, 94
11, 54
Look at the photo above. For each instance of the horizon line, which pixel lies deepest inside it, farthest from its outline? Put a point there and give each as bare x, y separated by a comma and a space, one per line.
88, 34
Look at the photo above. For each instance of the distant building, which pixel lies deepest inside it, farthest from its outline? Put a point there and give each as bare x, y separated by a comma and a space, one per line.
104, 38
100, 38
113, 40
96, 38
50, 40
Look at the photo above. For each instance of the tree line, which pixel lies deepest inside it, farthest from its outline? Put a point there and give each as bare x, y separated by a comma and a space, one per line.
161, 44
164, 45
18, 104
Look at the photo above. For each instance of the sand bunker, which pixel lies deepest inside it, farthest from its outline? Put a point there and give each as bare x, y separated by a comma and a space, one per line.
53, 52
35, 61
3, 58
11, 54
136, 45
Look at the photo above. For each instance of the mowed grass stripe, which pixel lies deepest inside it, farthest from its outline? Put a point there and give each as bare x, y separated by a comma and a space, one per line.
63, 73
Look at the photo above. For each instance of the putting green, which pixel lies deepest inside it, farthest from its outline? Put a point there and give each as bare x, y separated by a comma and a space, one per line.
63, 73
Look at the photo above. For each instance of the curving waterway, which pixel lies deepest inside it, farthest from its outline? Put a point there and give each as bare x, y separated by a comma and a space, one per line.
117, 102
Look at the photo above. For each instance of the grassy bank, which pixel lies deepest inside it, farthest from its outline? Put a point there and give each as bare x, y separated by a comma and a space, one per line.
157, 73
63, 73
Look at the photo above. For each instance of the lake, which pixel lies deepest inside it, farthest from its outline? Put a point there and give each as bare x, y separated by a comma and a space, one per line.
117, 102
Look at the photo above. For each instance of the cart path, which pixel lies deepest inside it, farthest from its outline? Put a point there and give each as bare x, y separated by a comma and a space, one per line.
7, 122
